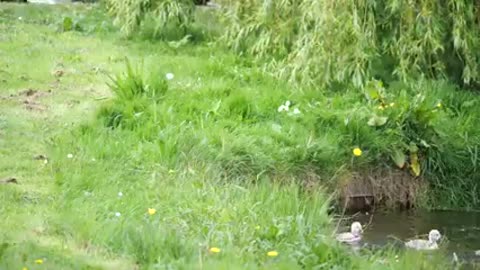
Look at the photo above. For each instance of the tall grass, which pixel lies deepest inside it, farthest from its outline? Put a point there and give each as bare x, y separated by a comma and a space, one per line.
195, 211
426, 129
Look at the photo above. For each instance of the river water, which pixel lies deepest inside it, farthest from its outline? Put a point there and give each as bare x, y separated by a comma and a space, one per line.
460, 230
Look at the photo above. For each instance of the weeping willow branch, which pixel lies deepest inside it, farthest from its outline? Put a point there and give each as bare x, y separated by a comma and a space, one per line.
130, 14
323, 41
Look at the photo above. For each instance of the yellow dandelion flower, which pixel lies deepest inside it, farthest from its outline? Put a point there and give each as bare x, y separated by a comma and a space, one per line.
381, 107
357, 151
214, 250
392, 104
24, 268
272, 253
439, 105
39, 261
151, 211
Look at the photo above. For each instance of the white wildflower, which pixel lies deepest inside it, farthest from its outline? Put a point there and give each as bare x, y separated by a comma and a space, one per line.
296, 111
169, 76
20, 18
69, 156
284, 107
120, 194
117, 214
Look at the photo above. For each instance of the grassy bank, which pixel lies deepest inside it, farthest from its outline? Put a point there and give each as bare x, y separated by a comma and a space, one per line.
153, 173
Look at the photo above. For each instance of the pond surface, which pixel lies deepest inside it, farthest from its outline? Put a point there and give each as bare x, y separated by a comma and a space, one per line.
460, 230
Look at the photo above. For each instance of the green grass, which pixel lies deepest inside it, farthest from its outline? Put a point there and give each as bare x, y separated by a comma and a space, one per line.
208, 150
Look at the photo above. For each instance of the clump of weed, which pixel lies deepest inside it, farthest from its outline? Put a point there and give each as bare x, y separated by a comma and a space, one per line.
134, 96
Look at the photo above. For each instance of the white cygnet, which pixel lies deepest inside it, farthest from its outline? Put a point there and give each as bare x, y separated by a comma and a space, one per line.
354, 235
421, 244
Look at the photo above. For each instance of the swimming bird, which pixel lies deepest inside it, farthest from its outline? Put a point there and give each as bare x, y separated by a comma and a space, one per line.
421, 244
353, 236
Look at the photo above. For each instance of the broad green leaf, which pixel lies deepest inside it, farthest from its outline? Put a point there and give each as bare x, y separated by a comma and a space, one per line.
414, 164
67, 24
372, 93
469, 104
413, 148
374, 90
177, 44
424, 144
399, 158
376, 121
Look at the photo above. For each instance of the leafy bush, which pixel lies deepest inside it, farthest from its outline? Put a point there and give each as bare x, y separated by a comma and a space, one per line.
131, 14
320, 42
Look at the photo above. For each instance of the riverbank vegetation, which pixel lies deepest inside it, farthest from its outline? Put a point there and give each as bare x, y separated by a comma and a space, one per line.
403, 86
187, 148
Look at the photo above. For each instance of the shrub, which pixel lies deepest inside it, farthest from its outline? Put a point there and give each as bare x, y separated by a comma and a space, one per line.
131, 14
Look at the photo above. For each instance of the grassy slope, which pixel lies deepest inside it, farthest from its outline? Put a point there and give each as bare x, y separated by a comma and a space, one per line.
64, 210
30, 53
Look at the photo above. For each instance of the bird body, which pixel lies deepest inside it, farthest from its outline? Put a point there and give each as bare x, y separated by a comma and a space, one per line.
348, 237
421, 244
353, 236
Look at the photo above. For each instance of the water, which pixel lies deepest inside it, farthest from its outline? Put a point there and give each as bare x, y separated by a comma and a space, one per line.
460, 230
